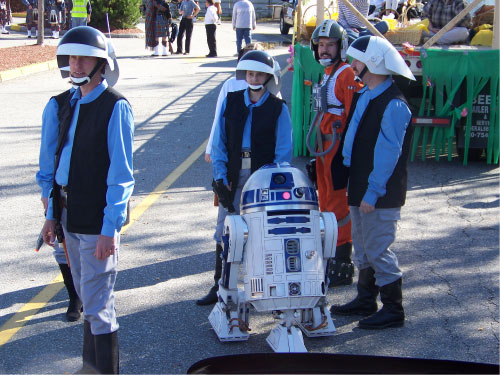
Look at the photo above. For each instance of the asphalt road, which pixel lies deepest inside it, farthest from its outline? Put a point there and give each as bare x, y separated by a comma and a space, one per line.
448, 239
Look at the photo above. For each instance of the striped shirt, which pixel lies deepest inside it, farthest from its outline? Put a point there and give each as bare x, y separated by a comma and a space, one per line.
347, 19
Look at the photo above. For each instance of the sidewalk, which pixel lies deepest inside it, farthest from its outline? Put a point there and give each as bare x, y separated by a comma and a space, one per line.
128, 45
18, 37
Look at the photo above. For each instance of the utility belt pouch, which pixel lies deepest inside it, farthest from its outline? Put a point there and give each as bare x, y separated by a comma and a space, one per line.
316, 97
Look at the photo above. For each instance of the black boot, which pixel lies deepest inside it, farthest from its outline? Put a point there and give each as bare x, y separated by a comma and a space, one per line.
211, 297
341, 268
365, 302
392, 313
88, 352
75, 305
106, 353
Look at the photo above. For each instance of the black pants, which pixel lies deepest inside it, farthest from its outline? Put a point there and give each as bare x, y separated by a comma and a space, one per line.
212, 43
187, 26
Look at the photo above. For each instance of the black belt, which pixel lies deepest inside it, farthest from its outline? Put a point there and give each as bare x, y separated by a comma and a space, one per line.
246, 154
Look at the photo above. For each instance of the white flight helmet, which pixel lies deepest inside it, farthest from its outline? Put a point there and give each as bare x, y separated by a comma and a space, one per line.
87, 41
379, 56
260, 61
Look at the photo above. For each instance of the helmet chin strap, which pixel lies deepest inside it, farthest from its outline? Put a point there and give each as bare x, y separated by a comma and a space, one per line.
84, 80
363, 72
259, 87
328, 62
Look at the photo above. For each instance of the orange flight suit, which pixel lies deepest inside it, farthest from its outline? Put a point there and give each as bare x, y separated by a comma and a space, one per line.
334, 199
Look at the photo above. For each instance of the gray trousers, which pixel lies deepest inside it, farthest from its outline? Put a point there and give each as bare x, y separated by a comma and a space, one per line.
372, 234
59, 255
94, 279
221, 216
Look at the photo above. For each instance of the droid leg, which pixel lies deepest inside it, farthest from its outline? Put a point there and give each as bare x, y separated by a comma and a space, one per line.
286, 337
317, 321
229, 317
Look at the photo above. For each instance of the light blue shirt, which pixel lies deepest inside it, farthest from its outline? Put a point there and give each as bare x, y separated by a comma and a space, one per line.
188, 7
120, 178
389, 143
284, 139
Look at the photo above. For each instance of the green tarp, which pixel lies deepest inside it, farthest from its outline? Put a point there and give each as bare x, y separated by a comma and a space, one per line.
444, 72
306, 72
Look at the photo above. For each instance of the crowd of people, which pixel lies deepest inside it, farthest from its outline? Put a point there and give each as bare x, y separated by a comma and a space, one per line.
159, 24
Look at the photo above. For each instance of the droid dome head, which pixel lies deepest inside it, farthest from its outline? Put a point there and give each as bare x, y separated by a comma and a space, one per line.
278, 186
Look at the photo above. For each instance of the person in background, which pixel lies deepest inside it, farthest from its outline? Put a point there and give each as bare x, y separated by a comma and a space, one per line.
244, 21
31, 17
188, 10
439, 13
218, 5
80, 11
5, 15
210, 27
162, 20
376, 150
150, 11
352, 25
55, 12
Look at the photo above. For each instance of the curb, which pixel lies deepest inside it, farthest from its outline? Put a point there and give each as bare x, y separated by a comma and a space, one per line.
27, 70
19, 28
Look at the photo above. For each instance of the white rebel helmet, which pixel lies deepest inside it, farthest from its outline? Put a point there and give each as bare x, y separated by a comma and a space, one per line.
260, 61
87, 41
379, 56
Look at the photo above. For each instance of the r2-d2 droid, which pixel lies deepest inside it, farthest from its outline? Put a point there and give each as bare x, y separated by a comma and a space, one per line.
283, 243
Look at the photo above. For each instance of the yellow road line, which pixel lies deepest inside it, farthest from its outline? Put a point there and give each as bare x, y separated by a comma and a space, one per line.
164, 185
285, 69
26, 313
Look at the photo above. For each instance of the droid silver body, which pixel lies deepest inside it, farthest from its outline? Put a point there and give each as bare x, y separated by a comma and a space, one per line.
281, 242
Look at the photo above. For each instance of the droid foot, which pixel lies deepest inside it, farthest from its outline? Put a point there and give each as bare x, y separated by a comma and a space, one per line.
317, 322
283, 340
227, 329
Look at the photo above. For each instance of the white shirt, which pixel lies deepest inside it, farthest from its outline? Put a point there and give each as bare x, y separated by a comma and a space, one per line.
211, 15
231, 85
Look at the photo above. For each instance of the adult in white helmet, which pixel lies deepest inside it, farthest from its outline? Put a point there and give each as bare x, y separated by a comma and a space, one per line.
87, 135
332, 101
253, 129
376, 150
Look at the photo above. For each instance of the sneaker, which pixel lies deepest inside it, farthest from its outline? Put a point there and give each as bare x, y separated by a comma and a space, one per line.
186, 53
178, 52
211, 55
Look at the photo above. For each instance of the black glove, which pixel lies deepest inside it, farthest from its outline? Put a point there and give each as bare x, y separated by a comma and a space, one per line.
223, 194
311, 171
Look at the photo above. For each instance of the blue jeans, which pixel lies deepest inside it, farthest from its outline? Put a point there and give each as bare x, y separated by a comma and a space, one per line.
240, 34
78, 21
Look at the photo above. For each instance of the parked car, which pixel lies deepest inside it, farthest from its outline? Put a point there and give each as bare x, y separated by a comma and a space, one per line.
287, 15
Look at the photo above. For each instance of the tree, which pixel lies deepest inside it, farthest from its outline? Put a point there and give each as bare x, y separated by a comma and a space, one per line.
122, 14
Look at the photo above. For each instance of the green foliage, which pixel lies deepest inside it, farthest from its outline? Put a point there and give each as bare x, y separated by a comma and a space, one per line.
122, 14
